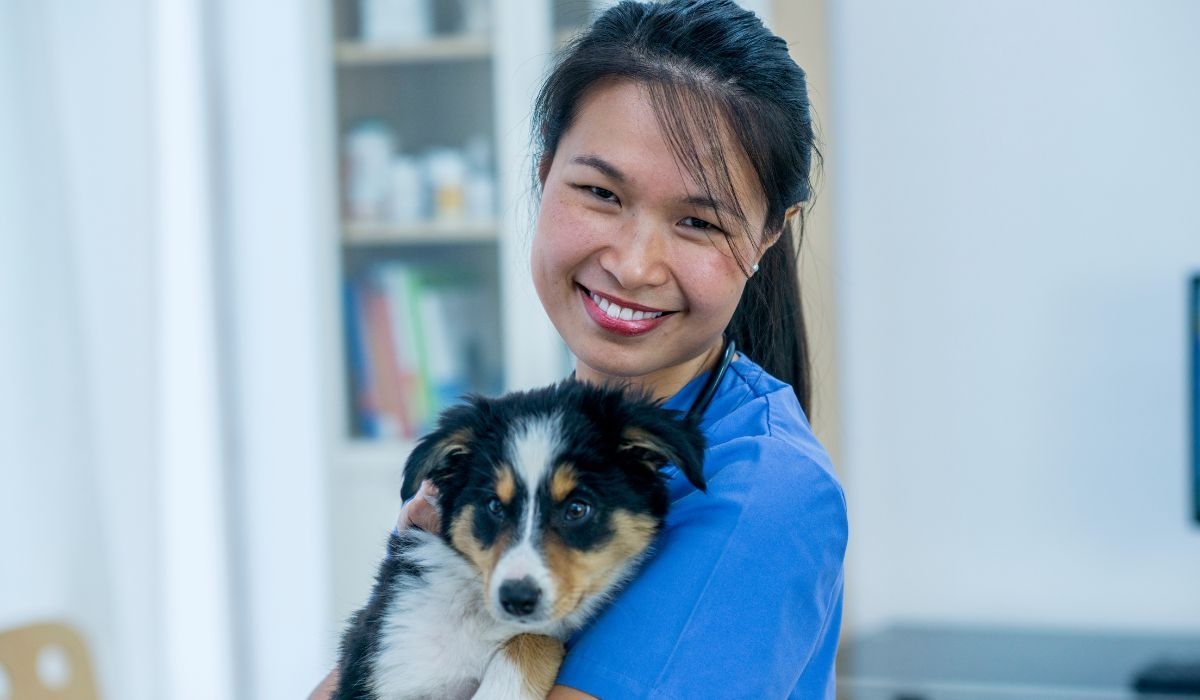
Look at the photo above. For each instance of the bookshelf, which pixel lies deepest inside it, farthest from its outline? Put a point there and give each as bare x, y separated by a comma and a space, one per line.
432, 233
431, 137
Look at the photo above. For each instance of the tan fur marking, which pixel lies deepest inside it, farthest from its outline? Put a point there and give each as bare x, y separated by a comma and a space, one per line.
506, 485
464, 541
636, 437
578, 575
456, 442
563, 483
538, 658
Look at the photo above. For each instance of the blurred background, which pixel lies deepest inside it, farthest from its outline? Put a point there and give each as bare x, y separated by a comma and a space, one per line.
247, 249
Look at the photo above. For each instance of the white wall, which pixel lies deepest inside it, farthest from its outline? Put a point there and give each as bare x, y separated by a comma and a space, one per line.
1017, 210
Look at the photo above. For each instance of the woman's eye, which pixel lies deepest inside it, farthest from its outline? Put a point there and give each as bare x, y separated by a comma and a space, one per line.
576, 511
495, 507
600, 192
700, 224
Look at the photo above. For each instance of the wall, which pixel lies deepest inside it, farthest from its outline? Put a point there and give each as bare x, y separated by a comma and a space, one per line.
802, 23
1016, 217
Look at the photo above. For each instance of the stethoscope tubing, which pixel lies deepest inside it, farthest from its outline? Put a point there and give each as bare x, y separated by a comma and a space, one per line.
705, 397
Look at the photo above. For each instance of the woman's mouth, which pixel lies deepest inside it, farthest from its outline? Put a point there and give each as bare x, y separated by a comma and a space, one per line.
621, 318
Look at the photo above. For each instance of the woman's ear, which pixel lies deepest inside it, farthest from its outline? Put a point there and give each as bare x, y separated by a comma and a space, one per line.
789, 216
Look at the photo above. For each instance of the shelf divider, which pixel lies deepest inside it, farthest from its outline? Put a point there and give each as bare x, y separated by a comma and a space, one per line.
441, 49
356, 233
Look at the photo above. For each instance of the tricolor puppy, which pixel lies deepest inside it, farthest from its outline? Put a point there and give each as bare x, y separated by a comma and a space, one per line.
548, 499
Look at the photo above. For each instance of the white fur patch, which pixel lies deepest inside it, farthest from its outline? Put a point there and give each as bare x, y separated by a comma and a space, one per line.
434, 644
532, 448
532, 451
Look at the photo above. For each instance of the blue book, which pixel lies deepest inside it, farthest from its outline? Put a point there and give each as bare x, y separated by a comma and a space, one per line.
364, 421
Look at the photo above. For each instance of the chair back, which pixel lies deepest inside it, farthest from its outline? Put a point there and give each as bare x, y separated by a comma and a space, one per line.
47, 661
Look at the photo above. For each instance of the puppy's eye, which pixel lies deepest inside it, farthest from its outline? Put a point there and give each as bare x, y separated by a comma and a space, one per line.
495, 507
577, 511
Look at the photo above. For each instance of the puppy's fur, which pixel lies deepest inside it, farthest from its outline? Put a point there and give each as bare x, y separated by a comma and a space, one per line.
548, 499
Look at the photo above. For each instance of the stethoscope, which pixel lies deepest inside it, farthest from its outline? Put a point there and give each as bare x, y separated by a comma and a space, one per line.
709, 390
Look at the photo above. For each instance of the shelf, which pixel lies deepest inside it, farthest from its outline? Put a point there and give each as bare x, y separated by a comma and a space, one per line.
424, 233
454, 48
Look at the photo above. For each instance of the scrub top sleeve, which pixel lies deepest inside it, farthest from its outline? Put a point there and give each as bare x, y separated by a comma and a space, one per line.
742, 596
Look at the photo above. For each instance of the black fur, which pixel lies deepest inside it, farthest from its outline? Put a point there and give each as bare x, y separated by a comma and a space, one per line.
360, 642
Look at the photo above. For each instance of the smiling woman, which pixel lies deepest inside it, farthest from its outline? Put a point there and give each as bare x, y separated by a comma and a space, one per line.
674, 153
676, 148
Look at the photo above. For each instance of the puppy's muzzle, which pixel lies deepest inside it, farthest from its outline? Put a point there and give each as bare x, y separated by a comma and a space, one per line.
520, 597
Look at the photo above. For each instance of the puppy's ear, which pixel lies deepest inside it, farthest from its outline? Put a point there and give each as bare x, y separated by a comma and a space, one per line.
435, 458
658, 436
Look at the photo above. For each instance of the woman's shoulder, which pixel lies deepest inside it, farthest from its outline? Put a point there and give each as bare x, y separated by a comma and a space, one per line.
756, 423
767, 474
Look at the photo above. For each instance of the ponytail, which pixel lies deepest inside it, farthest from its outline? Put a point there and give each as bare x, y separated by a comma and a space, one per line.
768, 324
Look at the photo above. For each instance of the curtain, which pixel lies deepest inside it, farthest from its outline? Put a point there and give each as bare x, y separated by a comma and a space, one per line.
155, 452
77, 531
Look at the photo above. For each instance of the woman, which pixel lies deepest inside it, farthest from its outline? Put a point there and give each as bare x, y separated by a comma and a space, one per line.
675, 148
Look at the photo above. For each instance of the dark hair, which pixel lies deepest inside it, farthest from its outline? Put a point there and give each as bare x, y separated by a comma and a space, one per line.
711, 67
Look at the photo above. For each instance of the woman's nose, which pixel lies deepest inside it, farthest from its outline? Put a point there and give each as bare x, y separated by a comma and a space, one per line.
638, 257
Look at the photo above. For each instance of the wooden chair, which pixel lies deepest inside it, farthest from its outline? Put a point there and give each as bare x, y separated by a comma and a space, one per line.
20, 649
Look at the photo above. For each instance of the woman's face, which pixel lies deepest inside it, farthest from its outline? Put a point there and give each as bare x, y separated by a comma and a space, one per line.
628, 260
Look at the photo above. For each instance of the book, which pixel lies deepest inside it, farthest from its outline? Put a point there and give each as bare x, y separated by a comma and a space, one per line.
416, 343
364, 407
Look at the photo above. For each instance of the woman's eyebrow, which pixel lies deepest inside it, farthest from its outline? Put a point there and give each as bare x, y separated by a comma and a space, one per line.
602, 165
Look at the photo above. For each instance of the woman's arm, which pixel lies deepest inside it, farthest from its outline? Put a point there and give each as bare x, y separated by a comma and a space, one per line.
562, 692
748, 573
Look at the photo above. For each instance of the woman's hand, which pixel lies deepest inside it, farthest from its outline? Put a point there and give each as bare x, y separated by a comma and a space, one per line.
324, 691
421, 511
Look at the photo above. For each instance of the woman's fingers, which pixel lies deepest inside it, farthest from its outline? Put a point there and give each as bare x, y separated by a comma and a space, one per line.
421, 511
324, 691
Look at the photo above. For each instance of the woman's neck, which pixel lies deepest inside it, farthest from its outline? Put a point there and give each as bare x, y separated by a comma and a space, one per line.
661, 384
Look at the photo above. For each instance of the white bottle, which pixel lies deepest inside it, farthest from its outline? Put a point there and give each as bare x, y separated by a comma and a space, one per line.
481, 185
407, 191
368, 154
395, 21
446, 169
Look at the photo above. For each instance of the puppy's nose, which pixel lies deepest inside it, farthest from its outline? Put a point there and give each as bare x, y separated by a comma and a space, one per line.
519, 597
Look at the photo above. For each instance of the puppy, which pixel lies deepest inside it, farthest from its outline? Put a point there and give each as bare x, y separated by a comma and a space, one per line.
549, 499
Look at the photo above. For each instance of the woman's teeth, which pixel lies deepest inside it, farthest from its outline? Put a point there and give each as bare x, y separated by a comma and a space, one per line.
621, 312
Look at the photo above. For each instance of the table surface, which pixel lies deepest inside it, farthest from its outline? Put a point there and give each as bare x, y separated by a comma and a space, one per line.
949, 663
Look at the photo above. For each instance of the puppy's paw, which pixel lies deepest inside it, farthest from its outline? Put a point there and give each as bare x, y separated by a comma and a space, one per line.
525, 668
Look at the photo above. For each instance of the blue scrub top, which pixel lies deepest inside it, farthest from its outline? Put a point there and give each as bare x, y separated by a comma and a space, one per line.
743, 595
